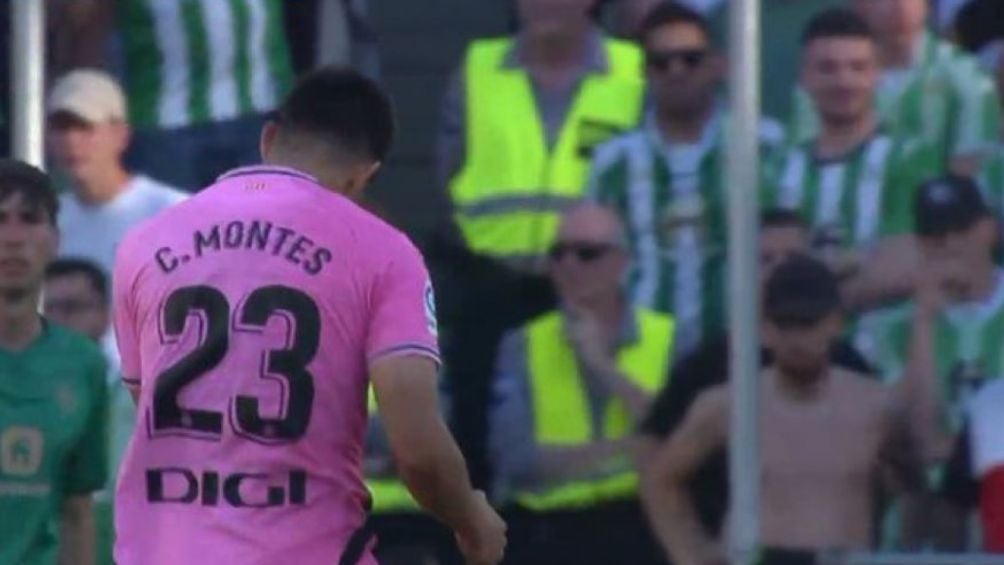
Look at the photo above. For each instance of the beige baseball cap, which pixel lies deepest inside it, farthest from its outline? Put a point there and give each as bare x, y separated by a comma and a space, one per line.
90, 94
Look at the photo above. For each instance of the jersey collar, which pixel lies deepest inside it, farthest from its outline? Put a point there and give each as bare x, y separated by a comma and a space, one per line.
267, 170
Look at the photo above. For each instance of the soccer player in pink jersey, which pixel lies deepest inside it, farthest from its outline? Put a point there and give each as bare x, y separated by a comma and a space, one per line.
251, 319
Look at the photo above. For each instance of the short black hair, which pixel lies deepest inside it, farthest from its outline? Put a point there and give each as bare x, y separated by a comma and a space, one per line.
836, 23
342, 107
781, 218
801, 292
670, 13
33, 185
948, 204
70, 266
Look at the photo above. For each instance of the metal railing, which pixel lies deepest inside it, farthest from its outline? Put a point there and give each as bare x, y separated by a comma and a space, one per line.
910, 559
744, 364
28, 80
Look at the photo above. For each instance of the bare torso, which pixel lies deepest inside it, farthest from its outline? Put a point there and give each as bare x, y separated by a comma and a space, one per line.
820, 460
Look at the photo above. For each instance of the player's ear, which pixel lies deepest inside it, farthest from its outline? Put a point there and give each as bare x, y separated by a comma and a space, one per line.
362, 175
268, 133
123, 134
371, 171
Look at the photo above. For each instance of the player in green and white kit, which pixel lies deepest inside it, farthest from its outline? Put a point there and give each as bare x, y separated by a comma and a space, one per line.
665, 179
929, 88
77, 296
950, 338
854, 181
52, 393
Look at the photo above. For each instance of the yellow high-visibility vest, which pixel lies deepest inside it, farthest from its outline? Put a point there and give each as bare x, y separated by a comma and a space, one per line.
510, 191
388, 495
562, 415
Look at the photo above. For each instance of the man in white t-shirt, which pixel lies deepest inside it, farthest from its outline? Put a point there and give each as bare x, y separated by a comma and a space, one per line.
88, 135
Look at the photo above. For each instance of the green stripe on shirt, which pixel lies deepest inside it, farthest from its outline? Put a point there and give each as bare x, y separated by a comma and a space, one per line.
143, 61
279, 64
198, 60
242, 62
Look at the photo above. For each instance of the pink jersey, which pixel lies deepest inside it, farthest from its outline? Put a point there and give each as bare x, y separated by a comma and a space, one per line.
247, 316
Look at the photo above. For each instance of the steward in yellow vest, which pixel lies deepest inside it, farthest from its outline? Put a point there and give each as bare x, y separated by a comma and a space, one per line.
514, 185
570, 388
577, 474
519, 122
566, 410
515, 182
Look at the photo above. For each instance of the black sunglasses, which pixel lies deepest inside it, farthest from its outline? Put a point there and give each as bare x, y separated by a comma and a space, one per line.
662, 60
584, 252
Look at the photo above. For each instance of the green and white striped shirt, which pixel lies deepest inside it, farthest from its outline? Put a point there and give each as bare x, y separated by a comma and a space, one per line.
197, 61
671, 199
969, 346
945, 99
857, 199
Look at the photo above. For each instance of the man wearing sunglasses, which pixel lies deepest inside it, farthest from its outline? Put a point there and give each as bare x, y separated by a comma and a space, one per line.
665, 179
520, 121
570, 388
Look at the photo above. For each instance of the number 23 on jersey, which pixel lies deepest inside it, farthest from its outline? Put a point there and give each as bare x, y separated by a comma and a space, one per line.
220, 326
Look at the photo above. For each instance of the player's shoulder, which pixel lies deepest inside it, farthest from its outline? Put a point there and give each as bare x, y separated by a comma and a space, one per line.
70, 346
380, 235
619, 148
959, 67
61, 337
712, 404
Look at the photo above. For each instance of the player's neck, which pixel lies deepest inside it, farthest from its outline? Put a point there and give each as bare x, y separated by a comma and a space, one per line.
103, 187
684, 127
20, 324
801, 388
838, 138
328, 177
609, 310
557, 52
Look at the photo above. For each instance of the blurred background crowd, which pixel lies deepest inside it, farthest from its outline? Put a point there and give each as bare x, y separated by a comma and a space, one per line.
561, 165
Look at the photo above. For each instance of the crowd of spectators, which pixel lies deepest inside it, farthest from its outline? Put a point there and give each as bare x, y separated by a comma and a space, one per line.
581, 270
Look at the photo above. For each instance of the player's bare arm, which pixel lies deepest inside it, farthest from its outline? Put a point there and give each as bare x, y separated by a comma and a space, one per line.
902, 470
920, 376
428, 460
77, 532
666, 500
900, 450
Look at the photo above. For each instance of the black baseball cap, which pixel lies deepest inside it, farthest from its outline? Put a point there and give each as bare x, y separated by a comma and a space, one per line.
948, 204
